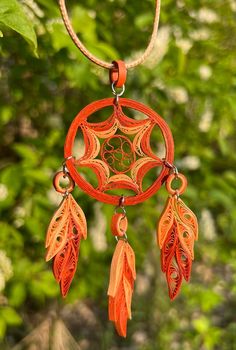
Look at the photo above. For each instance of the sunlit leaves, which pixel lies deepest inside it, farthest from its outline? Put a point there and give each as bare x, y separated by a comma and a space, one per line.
13, 17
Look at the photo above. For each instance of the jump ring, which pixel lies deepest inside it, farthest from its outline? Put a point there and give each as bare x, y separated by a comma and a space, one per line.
171, 166
183, 186
117, 94
64, 168
56, 183
122, 208
123, 238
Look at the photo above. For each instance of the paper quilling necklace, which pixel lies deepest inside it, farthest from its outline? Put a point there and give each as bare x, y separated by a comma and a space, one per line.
119, 152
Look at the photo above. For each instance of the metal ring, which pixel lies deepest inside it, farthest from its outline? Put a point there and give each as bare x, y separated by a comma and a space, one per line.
123, 238
175, 170
177, 194
64, 168
117, 94
167, 163
122, 208
171, 166
122, 201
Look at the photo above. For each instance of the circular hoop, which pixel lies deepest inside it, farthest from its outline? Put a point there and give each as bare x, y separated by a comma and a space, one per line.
57, 186
183, 186
87, 187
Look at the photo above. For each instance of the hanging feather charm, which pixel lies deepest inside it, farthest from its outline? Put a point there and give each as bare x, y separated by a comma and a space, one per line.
177, 230
67, 227
122, 276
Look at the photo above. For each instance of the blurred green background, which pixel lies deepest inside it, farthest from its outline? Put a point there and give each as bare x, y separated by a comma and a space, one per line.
190, 79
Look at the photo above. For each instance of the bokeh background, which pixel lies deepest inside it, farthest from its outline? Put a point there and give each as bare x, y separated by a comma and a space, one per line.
190, 79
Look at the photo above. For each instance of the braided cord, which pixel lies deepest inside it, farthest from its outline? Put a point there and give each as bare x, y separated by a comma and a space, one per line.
95, 59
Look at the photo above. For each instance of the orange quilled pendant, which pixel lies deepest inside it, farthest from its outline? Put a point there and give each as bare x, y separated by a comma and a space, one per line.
118, 151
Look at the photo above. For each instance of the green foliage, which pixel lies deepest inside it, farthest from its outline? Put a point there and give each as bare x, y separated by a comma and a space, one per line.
190, 80
12, 16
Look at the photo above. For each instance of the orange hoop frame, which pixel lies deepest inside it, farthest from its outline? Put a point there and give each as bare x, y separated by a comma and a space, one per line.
87, 187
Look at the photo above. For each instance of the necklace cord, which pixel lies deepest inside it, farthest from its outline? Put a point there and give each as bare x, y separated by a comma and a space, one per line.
95, 59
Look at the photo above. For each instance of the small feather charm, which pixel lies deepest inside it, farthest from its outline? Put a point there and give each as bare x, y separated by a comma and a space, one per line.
122, 276
67, 227
121, 285
176, 232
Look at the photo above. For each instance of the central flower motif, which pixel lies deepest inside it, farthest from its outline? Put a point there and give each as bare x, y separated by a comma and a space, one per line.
117, 151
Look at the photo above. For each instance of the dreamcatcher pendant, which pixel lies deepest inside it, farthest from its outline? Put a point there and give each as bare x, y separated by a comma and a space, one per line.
118, 153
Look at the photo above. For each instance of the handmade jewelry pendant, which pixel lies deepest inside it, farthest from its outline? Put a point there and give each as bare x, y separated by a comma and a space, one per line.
118, 152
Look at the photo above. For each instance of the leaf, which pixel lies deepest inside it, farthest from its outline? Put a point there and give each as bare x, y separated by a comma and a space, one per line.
57, 230
118, 311
69, 269
65, 264
59, 262
129, 253
65, 231
13, 16
58, 221
201, 324
186, 238
104, 50
128, 295
187, 216
78, 217
165, 222
174, 278
184, 261
121, 324
177, 251
111, 309
143, 20
3, 327
17, 294
116, 268
27, 153
169, 246
47, 285
11, 317
121, 286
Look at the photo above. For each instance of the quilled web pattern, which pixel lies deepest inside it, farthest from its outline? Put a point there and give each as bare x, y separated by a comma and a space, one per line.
118, 151
177, 231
